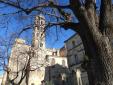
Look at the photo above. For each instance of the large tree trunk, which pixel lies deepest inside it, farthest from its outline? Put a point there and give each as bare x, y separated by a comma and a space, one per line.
103, 55
100, 43
106, 18
105, 58
100, 59
92, 66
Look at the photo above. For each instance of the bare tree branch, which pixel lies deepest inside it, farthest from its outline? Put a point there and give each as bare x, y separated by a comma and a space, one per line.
11, 13
65, 25
25, 29
10, 3
29, 10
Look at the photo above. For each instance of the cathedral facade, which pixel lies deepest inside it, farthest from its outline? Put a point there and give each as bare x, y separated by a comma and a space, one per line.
35, 64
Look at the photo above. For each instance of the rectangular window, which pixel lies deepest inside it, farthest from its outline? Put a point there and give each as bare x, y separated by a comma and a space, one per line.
76, 59
73, 44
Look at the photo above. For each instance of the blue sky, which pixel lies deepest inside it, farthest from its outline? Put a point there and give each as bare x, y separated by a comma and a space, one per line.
57, 39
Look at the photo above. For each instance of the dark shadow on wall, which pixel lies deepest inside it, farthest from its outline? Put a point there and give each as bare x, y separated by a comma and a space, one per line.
56, 75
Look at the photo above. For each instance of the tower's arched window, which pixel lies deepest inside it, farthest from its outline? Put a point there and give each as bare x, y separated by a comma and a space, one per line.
41, 22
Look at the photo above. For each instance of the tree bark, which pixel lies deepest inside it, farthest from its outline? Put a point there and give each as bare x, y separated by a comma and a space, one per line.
98, 43
93, 67
100, 55
104, 54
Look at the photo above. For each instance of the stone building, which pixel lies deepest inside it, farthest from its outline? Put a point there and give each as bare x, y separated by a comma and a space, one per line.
63, 51
27, 64
57, 75
75, 57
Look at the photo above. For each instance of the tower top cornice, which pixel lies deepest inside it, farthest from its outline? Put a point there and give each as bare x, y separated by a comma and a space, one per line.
40, 16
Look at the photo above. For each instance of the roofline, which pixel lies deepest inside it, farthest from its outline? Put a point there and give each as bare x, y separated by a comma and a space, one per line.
70, 37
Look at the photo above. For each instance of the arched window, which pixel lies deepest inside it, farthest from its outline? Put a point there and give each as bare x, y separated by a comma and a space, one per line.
41, 22
63, 63
76, 59
47, 58
41, 44
53, 61
32, 84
